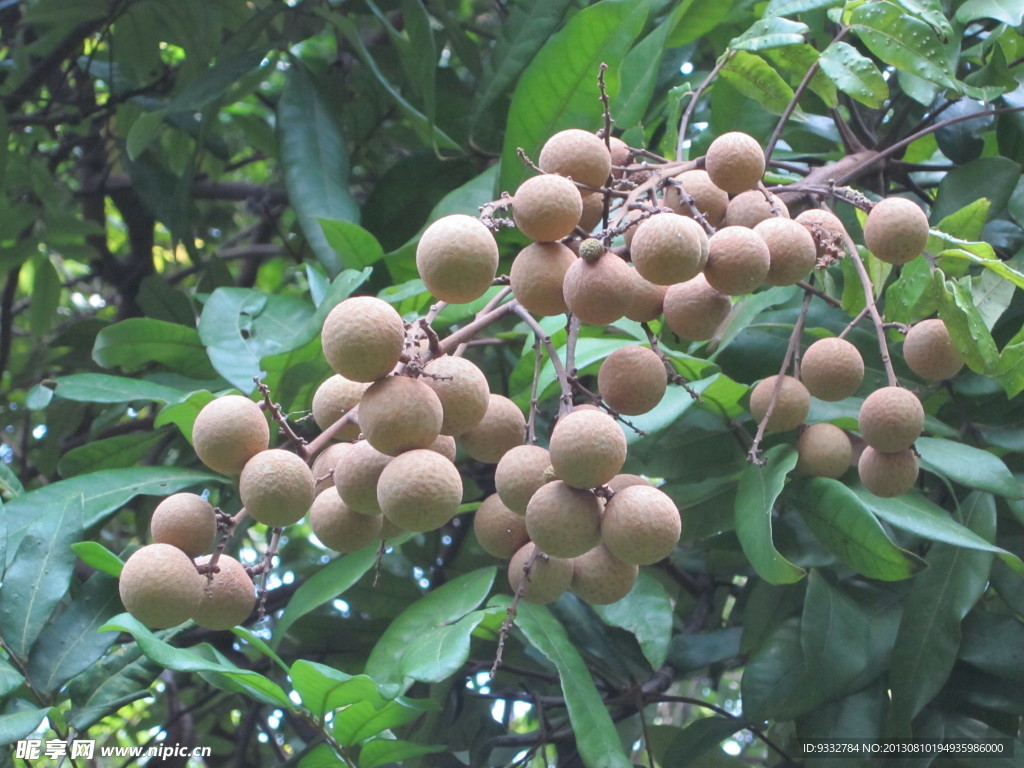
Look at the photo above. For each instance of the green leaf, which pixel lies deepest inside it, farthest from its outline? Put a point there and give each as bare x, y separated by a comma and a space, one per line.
646, 613
1009, 12
121, 676
772, 681
756, 79
931, 13
759, 487
324, 689
439, 652
991, 178
322, 756
596, 738
384, 751
356, 248
929, 634
143, 132
138, 342
848, 529
315, 159
973, 467
104, 388
95, 555
46, 290
796, 60
213, 82
966, 326
640, 71
771, 32
18, 725
183, 414
854, 74
559, 88
698, 738
361, 721
110, 453
38, 577
994, 642
902, 41
790, 7
834, 637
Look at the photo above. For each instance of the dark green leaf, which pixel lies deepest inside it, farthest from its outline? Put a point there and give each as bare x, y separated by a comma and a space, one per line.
95, 555
854, 74
384, 751
993, 178
135, 343
756, 79
994, 642
698, 738
110, 453
322, 756
10, 678
18, 725
360, 721
122, 676
46, 289
973, 467
770, 32
834, 637
324, 689
773, 677
902, 41
646, 612
689, 652
212, 83
440, 652
104, 388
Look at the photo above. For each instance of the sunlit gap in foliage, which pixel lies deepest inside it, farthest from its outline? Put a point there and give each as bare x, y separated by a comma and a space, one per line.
39, 432
342, 608
686, 68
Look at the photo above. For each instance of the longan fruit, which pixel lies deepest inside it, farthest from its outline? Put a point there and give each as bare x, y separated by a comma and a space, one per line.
626, 479
499, 531
694, 310
621, 154
738, 260
400, 413
363, 338
641, 525
668, 248
276, 487
578, 154
356, 475
444, 445
832, 369
648, 300
462, 388
549, 577
228, 432
791, 406
896, 230
519, 474
324, 464
227, 598
598, 292
888, 474
339, 527
930, 352
823, 450
632, 380
600, 578
791, 250
891, 419
588, 448
457, 258
186, 521
593, 210
502, 428
710, 200
547, 208
159, 585
333, 399
536, 277
419, 490
750, 208
735, 162
563, 521
826, 229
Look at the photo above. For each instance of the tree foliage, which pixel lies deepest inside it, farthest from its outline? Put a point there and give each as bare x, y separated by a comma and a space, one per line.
190, 187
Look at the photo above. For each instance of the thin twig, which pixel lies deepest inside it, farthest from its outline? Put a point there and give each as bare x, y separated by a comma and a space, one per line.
510, 614
876, 318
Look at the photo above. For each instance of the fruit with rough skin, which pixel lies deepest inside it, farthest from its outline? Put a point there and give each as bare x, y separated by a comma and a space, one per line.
549, 576
388, 530
600, 578
444, 445
419, 490
276, 487
228, 432
502, 428
324, 464
588, 448
668, 248
536, 277
363, 338
738, 260
159, 585
827, 230
356, 475
891, 419
186, 521
461, 387
694, 310
648, 300
499, 531
750, 208
930, 352
710, 200
519, 474
339, 527
791, 250
641, 525
227, 598
578, 154
593, 210
823, 450
598, 292
621, 154
399, 414
563, 521
888, 474
626, 479
547, 208
333, 399
791, 406
457, 258
632, 380
832, 369
735, 162
896, 230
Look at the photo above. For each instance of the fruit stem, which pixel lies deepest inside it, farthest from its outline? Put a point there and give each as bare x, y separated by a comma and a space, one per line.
876, 318
673, 375
510, 614
684, 121
275, 411
561, 374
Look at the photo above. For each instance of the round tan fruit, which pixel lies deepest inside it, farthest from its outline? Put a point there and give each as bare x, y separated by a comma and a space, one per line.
356, 475
593, 210
519, 474
462, 389
598, 292
791, 249
444, 445
791, 406
896, 230
160, 586
457, 258
399, 414
276, 487
419, 490
547, 207
536, 277
738, 260
832, 369
563, 521
588, 448
499, 531
502, 428
827, 231
622, 156
710, 200
228, 432
340, 528
324, 464
750, 208
632, 380
888, 474
648, 300
930, 352
641, 525
549, 576
186, 521
227, 598
694, 310
577, 154
735, 162
633, 215
823, 450
624, 480
333, 399
668, 248
891, 419
363, 338
389, 530
600, 578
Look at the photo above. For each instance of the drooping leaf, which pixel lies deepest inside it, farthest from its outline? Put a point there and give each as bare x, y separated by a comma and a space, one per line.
138, 342
770, 32
121, 676
324, 689
384, 751
966, 327
790, 7
361, 721
646, 612
95, 555
691, 745
970, 466
756, 79
110, 453
854, 74
440, 652
1009, 12
834, 637
104, 388
356, 248
18, 725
